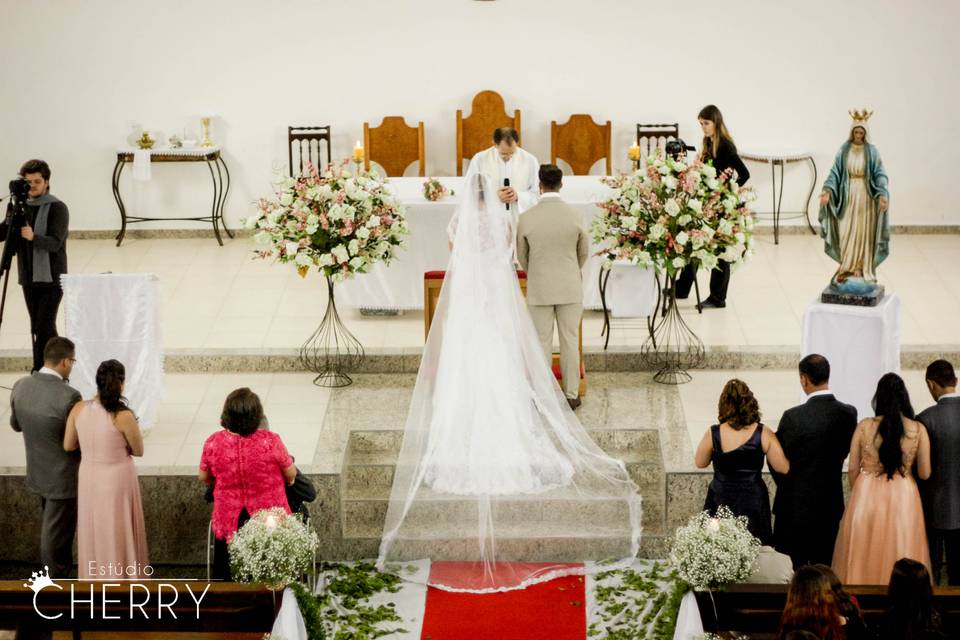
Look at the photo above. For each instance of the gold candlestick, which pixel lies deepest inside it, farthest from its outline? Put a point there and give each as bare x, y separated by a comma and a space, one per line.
207, 142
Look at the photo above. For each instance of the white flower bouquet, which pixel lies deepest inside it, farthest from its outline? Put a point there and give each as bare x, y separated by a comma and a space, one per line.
433, 190
336, 221
273, 547
711, 552
672, 213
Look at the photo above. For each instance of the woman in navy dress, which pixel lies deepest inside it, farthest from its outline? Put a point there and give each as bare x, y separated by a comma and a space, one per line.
738, 447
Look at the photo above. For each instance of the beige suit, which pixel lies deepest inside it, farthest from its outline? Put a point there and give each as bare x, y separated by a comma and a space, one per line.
552, 246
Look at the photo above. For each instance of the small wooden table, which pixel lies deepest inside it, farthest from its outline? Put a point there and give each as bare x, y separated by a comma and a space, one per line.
218, 173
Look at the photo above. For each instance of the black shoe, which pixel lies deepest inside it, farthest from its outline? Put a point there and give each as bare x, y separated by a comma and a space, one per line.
574, 403
713, 302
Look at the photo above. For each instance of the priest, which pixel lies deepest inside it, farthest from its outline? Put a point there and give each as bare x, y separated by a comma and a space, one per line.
513, 170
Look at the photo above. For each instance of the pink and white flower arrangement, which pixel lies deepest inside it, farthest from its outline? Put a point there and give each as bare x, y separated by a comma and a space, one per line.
671, 213
434, 190
337, 221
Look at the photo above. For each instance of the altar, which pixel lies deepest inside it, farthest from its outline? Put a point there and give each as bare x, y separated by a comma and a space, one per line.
400, 286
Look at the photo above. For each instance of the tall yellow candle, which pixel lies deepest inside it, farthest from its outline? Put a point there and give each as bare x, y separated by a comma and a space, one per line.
358, 152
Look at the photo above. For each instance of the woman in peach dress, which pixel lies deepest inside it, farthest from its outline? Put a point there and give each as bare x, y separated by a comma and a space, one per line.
884, 518
111, 536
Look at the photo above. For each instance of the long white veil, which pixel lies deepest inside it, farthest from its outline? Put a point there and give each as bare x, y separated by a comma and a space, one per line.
496, 474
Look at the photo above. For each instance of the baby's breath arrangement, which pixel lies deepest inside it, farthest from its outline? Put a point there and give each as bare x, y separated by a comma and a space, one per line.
273, 548
713, 551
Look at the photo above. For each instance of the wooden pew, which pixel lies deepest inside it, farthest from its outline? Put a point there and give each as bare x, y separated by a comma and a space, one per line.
225, 608
755, 609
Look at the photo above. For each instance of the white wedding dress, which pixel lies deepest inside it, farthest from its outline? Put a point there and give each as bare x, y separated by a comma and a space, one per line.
495, 470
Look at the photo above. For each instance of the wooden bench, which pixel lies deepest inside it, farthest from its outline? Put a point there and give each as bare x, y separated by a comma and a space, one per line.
756, 609
226, 608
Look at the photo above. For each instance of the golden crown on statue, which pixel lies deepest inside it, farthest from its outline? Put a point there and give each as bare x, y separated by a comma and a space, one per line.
860, 115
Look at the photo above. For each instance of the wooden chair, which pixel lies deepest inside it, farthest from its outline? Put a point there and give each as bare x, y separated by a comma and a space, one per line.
580, 142
314, 139
433, 283
652, 136
474, 133
394, 146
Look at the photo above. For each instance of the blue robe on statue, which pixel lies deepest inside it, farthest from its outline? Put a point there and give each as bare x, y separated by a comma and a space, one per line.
833, 212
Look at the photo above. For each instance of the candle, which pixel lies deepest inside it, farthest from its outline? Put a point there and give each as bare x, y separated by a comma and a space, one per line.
634, 152
271, 522
713, 524
358, 152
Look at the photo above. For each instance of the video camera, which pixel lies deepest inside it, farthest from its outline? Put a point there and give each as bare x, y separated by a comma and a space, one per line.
675, 148
16, 218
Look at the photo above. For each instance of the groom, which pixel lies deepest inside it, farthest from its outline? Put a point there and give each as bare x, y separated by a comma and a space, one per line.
506, 161
552, 247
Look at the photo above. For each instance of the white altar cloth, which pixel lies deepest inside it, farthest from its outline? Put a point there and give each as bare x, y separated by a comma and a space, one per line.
117, 316
400, 286
861, 343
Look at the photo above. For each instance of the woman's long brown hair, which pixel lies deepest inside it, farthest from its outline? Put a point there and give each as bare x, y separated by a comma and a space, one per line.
712, 145
811, 606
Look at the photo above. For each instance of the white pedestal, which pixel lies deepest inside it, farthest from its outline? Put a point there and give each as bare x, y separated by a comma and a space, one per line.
117, 316
861, 343
631, 291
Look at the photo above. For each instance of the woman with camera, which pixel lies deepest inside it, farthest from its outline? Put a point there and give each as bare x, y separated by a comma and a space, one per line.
719, 148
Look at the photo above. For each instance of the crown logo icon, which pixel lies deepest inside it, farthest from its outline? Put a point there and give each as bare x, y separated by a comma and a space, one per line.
860, 115
40, 580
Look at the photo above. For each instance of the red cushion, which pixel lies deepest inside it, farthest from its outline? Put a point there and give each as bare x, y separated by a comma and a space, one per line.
559, 376
439, 275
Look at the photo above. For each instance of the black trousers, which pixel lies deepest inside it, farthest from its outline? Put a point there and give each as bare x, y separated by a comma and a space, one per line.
43, 303
221, 553
58, 528
719, 281
945, 542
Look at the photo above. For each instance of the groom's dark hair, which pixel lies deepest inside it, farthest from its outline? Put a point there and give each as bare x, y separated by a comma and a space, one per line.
505, 133
551, 177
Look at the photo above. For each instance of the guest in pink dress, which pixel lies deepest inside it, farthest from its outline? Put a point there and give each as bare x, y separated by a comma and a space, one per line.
884, 518
250, 468
111, 536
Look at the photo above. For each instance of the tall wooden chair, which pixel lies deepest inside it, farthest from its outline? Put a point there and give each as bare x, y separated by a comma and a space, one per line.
314, 139
652, 136
394, 146
474, 133
581, 142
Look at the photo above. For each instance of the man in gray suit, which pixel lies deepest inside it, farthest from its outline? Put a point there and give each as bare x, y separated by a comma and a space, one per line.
39, 405
552, 246
941, 491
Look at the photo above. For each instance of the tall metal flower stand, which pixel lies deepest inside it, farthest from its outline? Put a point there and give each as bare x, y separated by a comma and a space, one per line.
332, 352
672, 348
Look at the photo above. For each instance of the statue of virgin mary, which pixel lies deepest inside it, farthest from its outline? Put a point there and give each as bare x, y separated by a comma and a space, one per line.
854, 214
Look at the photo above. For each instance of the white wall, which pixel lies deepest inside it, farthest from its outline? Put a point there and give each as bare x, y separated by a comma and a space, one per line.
76, 75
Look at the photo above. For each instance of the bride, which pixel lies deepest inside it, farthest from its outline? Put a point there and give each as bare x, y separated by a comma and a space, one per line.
495, 471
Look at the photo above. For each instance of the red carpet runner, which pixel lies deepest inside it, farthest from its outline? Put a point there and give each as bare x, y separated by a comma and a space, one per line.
554, 610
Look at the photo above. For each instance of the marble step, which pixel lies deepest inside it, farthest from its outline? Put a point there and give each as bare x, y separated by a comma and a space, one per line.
363, 517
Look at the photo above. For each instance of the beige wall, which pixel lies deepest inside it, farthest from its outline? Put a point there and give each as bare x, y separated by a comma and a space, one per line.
76, 75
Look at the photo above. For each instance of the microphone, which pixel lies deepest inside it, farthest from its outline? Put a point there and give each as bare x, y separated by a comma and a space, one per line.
506, 183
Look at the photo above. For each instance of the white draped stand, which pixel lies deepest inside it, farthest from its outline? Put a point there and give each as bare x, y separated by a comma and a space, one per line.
117, 316
861, 343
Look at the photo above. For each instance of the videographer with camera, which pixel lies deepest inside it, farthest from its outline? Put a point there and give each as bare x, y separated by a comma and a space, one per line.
35, 230
718, 146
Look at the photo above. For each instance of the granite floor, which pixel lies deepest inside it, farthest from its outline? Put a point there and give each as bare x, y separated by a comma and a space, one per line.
316, 422
220, 298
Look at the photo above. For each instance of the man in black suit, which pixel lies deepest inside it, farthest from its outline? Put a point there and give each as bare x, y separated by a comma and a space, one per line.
941, 492
815, 437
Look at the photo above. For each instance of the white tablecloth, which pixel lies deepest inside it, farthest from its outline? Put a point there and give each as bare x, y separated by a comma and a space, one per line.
631, 291
400, 286
117, 316
861, 343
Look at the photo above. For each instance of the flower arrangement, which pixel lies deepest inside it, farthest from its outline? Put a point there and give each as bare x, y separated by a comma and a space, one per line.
433, 190
336, 221
672, 213
273, 548
711, 552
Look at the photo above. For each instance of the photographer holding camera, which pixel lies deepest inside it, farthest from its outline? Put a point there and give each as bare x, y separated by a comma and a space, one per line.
40, 239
